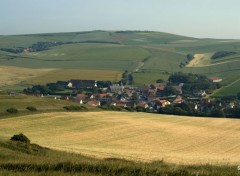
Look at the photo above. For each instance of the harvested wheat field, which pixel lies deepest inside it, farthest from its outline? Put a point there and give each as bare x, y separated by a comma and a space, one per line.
12, 75
135, 136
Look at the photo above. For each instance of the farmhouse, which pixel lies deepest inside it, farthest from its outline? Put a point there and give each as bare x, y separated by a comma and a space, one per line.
215, 79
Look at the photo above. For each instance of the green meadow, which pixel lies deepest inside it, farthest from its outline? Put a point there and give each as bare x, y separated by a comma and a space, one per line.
146, 54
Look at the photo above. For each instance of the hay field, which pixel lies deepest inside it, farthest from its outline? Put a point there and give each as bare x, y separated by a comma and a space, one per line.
136, 136
12, 75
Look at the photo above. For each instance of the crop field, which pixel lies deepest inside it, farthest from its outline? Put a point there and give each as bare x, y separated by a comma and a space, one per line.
134, 136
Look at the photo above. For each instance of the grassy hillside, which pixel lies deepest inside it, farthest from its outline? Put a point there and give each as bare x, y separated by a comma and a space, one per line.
20, 102
144, 52
134, 136
30, 159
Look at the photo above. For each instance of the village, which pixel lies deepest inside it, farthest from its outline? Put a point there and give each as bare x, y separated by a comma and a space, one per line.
163, 97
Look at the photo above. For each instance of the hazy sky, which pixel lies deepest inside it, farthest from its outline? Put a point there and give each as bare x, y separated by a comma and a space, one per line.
197, 18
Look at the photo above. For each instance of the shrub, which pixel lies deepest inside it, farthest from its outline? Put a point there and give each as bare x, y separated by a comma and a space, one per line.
129, 109
140, 109
12, 110
31, 108
111, 108
20, 138
74, 108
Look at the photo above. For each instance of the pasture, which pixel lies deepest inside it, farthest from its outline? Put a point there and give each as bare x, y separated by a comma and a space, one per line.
91, 51
82, 56
134, 136
229, 90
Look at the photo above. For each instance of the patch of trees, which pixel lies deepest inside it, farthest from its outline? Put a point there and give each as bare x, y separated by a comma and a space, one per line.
75, 108
127, 78
40, 46
169, 90
185, 78
187, 59
55, 87
12, 50
102, 84
192, 82
186, 110
130, 79
172, 110
221, 54
38, 89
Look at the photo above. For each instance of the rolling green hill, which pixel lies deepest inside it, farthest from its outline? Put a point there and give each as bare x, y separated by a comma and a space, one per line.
147, 54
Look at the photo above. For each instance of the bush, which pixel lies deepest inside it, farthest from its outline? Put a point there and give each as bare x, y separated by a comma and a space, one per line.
31, 108
74, 108
111, 108
12, 110
20, 138
140, 109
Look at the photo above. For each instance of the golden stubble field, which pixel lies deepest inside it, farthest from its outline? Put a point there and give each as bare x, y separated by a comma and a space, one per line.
134, 136
12, 75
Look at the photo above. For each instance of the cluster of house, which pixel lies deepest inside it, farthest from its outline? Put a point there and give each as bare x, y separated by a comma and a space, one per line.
147, 96
151, 96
